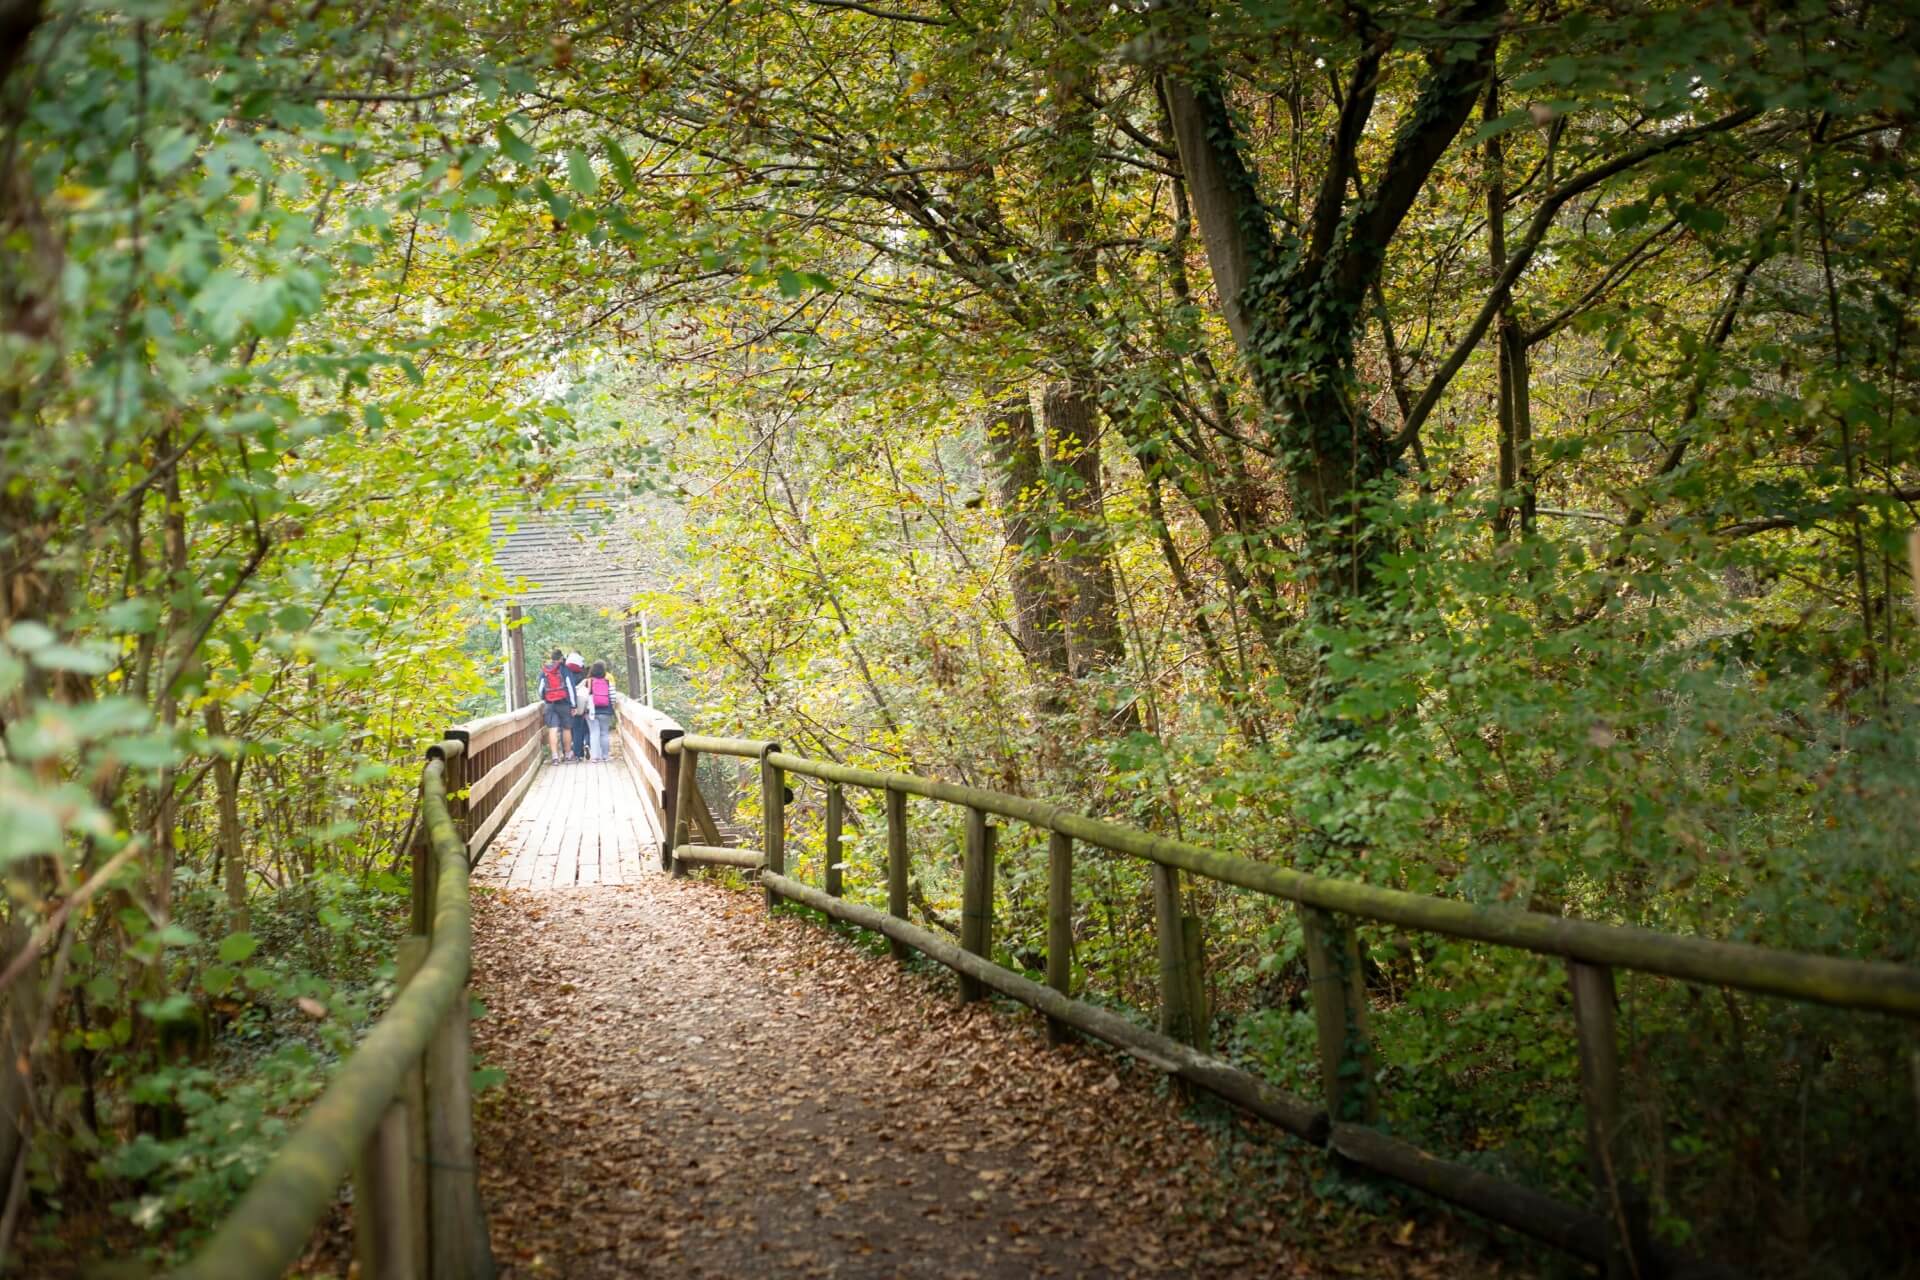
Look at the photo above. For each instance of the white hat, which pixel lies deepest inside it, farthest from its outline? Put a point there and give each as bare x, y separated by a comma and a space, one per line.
575, 660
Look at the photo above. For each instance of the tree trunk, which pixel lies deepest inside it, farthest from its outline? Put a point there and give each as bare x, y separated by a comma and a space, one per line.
1092, 611
1294, 298
1037, 621
226, 784
1514, 416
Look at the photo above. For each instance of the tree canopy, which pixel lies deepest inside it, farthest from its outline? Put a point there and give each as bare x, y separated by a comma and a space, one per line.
1464, 447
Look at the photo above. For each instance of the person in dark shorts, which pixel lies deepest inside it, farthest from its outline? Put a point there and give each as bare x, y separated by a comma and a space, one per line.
576, 674
556, 705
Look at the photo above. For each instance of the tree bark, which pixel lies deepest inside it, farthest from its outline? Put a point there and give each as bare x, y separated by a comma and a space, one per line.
1037, 623
226, 784
1514, 415
1092, 608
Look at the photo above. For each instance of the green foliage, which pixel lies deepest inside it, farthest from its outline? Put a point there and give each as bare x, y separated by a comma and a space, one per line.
1615, 624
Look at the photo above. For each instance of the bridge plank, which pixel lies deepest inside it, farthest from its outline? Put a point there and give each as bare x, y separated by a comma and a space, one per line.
579, 825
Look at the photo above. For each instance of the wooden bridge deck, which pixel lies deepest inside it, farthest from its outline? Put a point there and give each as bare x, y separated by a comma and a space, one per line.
579, 825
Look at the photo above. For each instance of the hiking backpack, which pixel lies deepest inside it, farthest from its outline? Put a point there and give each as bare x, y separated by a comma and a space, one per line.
555, 690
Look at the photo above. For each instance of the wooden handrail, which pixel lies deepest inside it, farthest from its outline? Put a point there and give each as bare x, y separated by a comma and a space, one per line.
1847, 984
269, 1229
397, 1115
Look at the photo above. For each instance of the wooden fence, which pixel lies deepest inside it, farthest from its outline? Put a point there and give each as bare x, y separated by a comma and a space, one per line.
397, 1117
1611, 1232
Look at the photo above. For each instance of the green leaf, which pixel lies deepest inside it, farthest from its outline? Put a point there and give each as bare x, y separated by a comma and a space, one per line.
514, 145
617, 160
171, 934
236, 947
580, 174
27, 830
77, 659
218, 980
28, 636
178, 1007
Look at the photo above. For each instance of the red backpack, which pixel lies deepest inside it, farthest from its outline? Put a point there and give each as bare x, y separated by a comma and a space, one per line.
556, 685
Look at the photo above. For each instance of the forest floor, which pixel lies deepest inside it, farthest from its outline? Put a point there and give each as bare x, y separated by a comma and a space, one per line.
696, 1090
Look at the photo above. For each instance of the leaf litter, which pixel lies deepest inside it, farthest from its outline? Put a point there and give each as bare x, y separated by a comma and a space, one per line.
694, 1089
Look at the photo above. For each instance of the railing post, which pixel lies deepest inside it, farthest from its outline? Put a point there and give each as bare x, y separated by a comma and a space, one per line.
1339, 1015
420, 852
1628, 1255
1059, 926
897, 865
389, 1194
773, 803
681, 815
1178, 1017
455, 773
458, 1229
634, 687
1193, 933
976, 898
836, 817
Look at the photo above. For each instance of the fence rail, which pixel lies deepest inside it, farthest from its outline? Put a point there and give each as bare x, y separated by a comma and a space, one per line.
1610, 1232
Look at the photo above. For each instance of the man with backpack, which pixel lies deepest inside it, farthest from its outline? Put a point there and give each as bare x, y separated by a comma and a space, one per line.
556, 705
576, 675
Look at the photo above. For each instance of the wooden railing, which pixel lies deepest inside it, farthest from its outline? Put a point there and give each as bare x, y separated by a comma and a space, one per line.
1611, 1232
644, 733
397, 1116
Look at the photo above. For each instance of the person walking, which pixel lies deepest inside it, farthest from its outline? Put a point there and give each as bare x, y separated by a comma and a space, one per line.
576, 675
556, 705
600, 694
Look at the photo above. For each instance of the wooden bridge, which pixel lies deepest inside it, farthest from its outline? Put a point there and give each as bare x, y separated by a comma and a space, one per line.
397, 1120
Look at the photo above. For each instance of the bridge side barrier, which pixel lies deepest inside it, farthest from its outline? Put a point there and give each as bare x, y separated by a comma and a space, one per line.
644, 733
397, 1116
502, 754
1612, 1232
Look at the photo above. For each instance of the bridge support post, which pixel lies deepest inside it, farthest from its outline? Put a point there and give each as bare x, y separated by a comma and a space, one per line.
897, 866
1339, 1015
773, 804
836, 818
516, 660
1622, 1206
1059, 926
976, 898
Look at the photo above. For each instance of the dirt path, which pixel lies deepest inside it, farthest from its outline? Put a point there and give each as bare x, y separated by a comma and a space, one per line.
697, 1091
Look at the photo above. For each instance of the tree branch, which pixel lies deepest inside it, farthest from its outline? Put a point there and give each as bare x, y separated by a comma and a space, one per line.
1446, 99
1343, 163
891, 15
1536, 232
